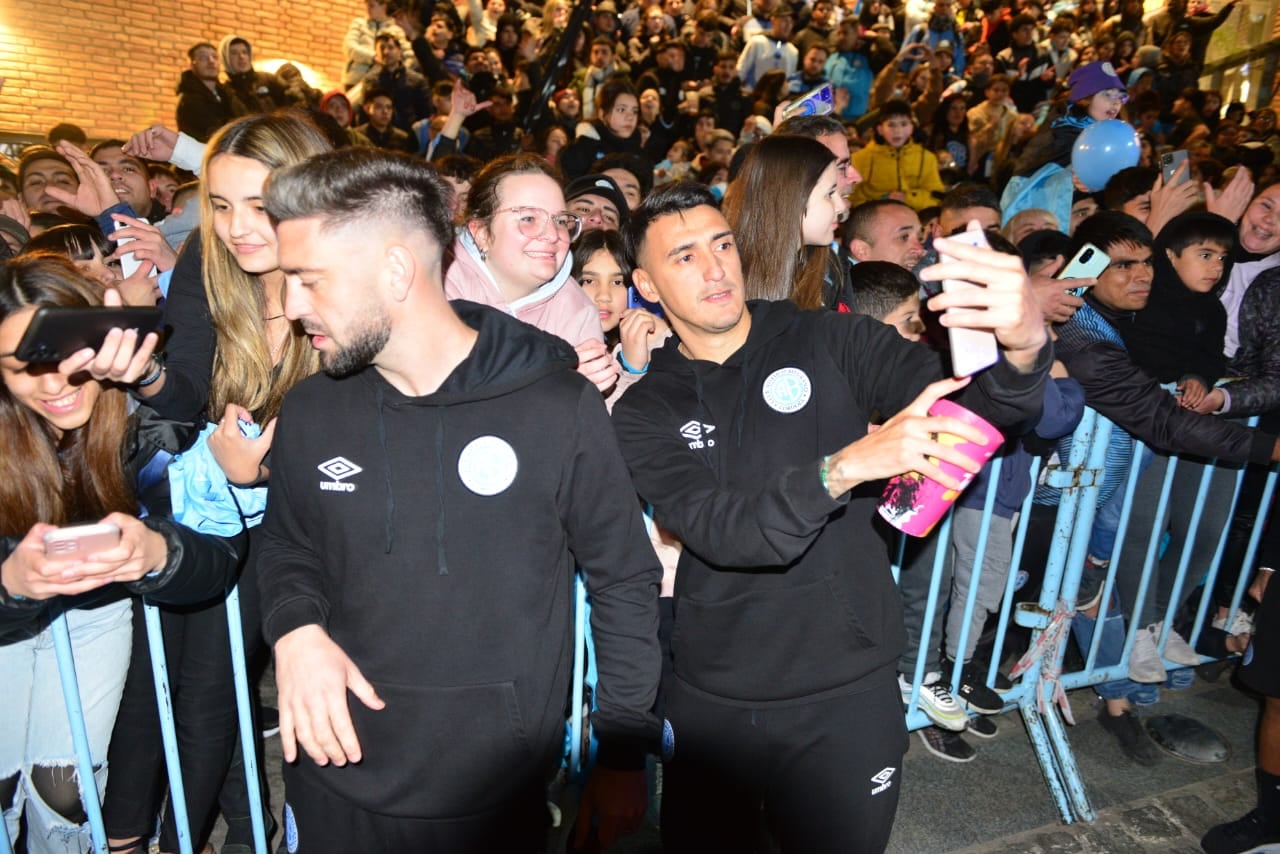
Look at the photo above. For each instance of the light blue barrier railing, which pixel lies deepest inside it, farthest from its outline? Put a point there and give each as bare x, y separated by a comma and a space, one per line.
1037, 693
159, 671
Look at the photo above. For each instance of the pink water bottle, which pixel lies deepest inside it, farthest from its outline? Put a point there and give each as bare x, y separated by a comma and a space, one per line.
913, 503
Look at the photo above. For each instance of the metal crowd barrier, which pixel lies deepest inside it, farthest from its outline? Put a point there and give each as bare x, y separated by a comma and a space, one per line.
1039, 687
159, 671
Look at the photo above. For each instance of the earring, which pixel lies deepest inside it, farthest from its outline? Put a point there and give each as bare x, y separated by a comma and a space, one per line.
484, 256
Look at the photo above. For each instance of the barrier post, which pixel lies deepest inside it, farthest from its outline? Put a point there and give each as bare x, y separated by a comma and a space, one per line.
79, 737
168, 733
248, 735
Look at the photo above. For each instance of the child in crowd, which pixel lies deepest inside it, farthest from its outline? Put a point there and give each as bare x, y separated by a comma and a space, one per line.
1178, 337
601, 267
895, 166
677, 166
890, 294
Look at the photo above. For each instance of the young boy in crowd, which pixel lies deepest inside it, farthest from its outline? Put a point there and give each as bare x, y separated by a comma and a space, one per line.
895, 166
888, 293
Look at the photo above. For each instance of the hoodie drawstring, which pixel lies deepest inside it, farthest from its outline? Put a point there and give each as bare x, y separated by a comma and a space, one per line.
441, 560
390, 496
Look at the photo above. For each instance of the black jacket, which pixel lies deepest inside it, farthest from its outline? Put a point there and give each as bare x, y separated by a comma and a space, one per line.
257, 91
434, 538
1180, 332
783, 592
1124, 393
201, 111
1257, 359
199, 567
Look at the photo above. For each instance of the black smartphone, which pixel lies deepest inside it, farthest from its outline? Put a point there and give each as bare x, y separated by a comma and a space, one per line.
1169, 163
57, 332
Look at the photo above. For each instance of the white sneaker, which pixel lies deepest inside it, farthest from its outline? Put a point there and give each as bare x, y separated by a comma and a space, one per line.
1144, 662
936, 702
1176, 648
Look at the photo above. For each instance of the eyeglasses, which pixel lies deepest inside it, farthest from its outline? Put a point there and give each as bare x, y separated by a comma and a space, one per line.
1115, 95
532, 222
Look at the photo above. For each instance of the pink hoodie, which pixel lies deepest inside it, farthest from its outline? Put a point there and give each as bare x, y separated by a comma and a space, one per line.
558, 306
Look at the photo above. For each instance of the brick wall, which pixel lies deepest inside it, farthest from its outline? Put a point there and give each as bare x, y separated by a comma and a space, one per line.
111, 67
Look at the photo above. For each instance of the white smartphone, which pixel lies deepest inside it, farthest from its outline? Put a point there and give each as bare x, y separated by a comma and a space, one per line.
971, 349
1089, 263
128, 263
79, 541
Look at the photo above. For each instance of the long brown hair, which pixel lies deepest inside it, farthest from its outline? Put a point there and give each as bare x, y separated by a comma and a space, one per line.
243, 369
82, 476
765, 206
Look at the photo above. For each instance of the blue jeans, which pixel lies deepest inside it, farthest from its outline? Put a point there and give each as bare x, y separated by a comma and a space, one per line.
1110, 650
36, 733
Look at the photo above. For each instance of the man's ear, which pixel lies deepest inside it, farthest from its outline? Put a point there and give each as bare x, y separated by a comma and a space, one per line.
399, 269
859, 249
644, 285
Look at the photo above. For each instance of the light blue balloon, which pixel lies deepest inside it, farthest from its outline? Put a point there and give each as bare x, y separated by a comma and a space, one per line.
1102, 150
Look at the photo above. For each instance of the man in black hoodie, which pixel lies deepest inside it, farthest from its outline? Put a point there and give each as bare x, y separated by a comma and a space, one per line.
748, 435
431, 493
204, 104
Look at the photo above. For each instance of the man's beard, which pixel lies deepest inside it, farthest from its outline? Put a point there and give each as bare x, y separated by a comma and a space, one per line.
365, 346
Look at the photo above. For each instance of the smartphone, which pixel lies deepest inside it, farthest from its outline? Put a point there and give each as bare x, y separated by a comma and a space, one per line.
817, 102
1089, 263
634, 300
80, 541
56, 332
1169, 163
129, 264
971, 349
482, 84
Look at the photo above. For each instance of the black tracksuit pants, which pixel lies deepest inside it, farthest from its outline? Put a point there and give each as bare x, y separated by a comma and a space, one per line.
822, 774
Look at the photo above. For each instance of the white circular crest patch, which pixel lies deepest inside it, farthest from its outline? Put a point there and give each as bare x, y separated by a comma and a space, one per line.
487, 465
787, 390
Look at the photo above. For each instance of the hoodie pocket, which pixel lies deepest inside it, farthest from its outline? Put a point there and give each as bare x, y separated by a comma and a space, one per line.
773, 644
440, 752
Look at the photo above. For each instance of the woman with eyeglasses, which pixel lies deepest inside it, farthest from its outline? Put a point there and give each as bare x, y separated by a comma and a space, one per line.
512, 253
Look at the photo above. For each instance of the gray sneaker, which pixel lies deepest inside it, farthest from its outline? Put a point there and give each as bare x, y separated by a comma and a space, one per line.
1145, 664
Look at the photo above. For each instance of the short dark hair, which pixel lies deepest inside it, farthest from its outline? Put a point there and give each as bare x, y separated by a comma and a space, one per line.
606, 41
970, 195
1109, 228
191, 51
459, 167
1193, 227
362, 184
118, 143
1044, 245
374, 92
1128, 184
895, 107
809, 126
71, 133
385, 37
726, 55
1193, 96
879, 287
860, 218
673, 198
636, 164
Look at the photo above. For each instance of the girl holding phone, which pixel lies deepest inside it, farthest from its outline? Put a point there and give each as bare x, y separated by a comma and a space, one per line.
64, 465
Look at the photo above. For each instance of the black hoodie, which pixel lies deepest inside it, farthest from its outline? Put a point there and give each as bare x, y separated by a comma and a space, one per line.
783, 592
434, 538
201, 110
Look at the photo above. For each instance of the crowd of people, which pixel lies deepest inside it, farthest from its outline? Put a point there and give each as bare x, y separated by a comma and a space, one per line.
545, 287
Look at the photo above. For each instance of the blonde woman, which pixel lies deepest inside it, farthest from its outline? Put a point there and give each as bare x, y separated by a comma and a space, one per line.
234, 355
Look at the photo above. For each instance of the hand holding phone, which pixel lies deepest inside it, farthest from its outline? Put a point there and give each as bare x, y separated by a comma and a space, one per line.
79, 541
56, 332
1089, 263
971, 349
1169, 163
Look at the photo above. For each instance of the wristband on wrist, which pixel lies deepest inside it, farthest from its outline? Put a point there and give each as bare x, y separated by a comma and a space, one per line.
157, 369
622, 357
824, 472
